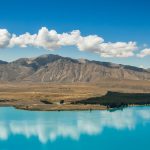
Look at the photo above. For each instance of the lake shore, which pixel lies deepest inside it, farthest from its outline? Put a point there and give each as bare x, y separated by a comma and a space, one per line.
75, 96
65, 107
107, 102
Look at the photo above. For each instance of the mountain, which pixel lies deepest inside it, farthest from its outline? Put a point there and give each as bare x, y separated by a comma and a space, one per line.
3, 62
54, 68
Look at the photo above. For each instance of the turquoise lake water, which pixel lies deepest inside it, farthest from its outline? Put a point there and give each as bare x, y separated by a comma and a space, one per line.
127, 129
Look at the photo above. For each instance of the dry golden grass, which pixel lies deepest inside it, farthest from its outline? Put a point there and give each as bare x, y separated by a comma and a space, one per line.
68, 91
29, 95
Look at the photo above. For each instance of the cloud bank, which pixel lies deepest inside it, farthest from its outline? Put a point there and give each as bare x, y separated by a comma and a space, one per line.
144, 52
51, 40
4, 38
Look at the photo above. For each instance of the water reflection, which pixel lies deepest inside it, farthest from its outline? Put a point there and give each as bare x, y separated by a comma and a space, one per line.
51, 125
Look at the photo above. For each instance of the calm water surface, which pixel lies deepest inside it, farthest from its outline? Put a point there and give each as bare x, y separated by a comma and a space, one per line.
127, 129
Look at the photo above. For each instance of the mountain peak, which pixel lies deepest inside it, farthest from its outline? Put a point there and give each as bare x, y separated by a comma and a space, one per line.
55, 68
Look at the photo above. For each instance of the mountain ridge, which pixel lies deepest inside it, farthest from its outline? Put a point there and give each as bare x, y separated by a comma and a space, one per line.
55, 68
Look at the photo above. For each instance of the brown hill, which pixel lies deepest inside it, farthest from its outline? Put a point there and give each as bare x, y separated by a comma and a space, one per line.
54, 68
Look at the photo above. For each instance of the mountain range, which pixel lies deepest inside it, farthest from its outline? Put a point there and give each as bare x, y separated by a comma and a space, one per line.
54, 68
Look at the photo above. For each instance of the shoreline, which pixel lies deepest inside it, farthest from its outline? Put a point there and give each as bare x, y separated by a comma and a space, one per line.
67, 107
78, 108
52, 107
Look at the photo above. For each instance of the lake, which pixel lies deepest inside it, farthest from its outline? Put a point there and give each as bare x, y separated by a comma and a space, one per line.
126, 129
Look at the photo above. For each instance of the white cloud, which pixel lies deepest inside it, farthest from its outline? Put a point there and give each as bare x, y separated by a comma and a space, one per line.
144, 52
47, 39
90, 43
118, 49
4, 38
68, 39
23, 40
51, 40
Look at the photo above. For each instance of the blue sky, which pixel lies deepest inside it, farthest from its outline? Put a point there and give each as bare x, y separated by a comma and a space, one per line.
113, 20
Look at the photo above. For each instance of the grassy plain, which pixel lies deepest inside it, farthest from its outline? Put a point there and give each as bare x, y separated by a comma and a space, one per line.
30, 95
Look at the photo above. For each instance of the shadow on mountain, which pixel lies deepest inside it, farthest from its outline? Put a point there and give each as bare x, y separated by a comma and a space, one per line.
116, 99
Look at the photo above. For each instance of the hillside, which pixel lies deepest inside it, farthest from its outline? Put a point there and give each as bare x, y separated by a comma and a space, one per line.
54, 68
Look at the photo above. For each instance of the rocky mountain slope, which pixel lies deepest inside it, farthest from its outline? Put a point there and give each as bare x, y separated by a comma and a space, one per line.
54, 68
